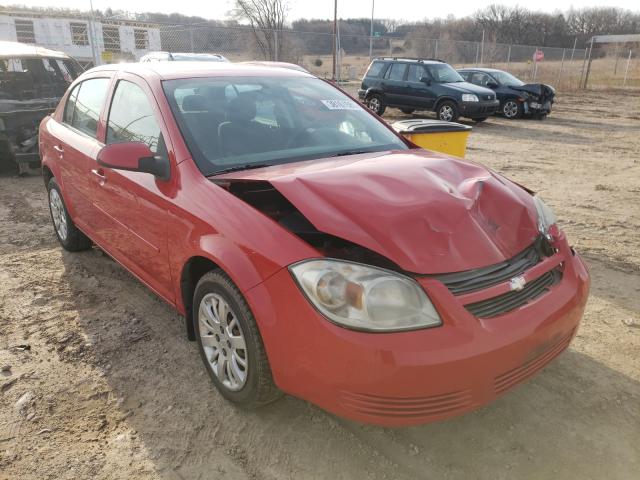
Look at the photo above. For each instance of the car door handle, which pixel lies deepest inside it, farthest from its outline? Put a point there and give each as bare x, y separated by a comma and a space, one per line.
58, 149
99, 173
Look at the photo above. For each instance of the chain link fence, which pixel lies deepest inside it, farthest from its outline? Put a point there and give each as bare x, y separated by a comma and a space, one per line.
565, 68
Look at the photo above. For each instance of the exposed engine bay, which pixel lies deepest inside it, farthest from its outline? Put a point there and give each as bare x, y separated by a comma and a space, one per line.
264, 197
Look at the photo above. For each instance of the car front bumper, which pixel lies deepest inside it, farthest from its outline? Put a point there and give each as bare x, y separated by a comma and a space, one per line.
479, 109
415, 377
536, 108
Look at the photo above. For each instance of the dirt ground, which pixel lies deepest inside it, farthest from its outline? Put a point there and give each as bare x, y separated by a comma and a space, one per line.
103, 384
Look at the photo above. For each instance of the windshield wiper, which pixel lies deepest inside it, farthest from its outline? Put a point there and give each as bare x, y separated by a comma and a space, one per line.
238, 168
350, 152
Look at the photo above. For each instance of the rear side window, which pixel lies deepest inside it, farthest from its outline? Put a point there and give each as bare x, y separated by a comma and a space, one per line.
396, 72
131, 118
83, 107
375, 69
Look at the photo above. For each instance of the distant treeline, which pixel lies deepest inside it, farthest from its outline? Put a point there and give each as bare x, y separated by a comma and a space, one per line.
501, 24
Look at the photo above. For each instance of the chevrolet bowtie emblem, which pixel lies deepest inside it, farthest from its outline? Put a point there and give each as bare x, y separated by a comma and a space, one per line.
517, 283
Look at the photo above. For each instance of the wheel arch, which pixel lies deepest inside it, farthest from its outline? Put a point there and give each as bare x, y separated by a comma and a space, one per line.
192, 271
444, 99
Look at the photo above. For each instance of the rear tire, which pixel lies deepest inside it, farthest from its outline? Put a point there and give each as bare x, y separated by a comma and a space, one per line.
230, 343
448, 111
69, 236
376, 104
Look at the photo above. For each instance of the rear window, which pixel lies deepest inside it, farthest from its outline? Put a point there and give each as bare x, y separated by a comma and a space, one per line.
375, 69
35, 78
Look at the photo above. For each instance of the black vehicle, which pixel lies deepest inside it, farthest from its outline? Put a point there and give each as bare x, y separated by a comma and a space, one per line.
32, 81
516, 97
424, 84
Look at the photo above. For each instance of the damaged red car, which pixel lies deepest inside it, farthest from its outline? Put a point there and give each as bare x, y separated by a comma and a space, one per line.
312, 250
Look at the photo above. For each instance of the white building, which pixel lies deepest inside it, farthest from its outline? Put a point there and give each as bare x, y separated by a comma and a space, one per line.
114, 40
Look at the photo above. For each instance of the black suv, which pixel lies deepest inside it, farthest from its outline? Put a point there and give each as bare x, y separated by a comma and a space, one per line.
424, 84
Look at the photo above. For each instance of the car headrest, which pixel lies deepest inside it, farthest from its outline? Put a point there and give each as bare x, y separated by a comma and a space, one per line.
241, 109
215, 93
194, 103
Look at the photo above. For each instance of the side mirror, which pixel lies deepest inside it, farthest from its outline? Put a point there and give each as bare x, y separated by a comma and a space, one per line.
133, 157
425, 80
492, 85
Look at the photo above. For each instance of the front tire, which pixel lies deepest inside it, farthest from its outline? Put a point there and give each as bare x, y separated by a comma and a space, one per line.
230, 343
376, 104
448, 111
511, 109
69, 236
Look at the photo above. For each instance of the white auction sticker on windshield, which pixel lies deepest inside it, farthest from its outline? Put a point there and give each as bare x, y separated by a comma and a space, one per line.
340, 104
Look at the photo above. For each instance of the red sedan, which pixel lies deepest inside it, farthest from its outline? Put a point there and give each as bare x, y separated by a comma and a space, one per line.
312, 250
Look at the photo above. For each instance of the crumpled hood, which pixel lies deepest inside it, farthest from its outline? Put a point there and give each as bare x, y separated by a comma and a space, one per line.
539, 89
426, 212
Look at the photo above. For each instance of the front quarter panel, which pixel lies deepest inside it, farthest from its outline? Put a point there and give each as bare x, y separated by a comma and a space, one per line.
207, 221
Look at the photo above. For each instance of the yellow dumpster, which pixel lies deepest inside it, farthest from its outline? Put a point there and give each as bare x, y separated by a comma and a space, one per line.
444, 137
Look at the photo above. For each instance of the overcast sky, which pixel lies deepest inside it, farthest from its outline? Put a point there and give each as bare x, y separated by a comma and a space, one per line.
411, 10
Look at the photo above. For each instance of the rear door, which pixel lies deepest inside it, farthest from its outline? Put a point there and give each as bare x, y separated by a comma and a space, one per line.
394, 85
134, 205
75, 145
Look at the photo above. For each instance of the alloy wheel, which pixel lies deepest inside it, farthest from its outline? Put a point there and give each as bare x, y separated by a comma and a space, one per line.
374, 104
58, 214
446, 113
223, 341
510, 109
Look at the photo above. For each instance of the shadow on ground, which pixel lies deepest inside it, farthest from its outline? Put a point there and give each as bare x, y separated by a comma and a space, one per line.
558, 425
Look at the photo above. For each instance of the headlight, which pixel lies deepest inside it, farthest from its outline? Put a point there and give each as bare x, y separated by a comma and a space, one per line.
365, 298
546, 217
469, 97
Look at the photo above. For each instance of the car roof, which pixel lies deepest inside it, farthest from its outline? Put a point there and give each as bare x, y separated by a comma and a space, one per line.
479, 69
16, 49
409, 60
177, 70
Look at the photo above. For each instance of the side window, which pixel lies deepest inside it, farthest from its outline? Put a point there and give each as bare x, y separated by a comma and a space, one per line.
416, 72
465, 75
375, 69
480, 79
87, 98
131, 118
396, 72
70, 107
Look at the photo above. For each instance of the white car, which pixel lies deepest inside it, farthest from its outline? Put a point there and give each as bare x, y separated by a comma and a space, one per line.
182, 57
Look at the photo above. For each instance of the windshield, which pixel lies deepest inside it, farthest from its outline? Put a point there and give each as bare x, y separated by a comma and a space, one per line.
443, 73
507, 79
232, 123
33, 78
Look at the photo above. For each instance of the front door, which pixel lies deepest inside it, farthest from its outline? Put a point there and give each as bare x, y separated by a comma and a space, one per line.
418, 92
135, 204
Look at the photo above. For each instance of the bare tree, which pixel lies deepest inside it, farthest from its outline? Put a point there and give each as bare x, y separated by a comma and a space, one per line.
266, 18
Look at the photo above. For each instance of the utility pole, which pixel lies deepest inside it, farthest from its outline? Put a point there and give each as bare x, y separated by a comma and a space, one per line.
373, 5
92, 35
482, 48
335, 38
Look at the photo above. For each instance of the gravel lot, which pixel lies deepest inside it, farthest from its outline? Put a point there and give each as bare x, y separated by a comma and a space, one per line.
101, 383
